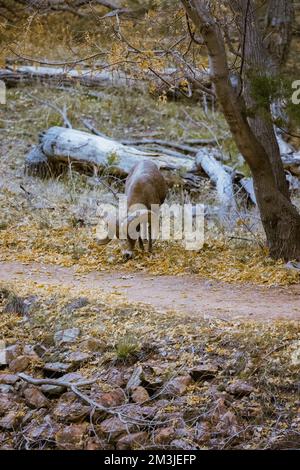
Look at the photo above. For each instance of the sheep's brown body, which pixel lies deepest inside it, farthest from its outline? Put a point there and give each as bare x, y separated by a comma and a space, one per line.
146, 190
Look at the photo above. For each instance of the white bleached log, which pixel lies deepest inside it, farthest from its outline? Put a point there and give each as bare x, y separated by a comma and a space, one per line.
66, 75
60, 146
247, 184
220, 177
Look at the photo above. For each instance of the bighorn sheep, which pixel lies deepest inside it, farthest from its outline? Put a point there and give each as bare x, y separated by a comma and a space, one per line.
146, 190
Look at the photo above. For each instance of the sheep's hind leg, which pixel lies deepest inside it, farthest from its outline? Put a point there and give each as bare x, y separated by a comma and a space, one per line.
149, 239
141, 244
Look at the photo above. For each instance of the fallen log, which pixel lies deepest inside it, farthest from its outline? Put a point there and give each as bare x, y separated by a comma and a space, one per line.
61, 148
206, 159
247, 185
65, 76
291, 163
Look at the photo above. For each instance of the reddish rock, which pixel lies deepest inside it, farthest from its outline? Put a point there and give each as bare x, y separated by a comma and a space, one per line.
115, 377
113, 398
93, 345
5, 404
113, 427
35, 398
9, 379
30, 351
181, 444
178, 385
164, 435
45, 431
10, 421
240, 388
78, 357
71, 437
139, 395
94, 443
19, 364
227, 425
12, 352
132, 441
70, 409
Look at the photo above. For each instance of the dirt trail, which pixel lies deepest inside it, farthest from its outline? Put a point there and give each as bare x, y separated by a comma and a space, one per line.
189, 294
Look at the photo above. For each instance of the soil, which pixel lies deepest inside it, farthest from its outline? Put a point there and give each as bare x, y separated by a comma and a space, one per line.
188, 294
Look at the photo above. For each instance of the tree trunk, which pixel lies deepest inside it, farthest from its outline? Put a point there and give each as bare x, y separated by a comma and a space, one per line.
280, 219
258, 62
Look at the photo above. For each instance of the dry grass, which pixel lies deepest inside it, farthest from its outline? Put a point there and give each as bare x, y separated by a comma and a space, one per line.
265, 355
54, 220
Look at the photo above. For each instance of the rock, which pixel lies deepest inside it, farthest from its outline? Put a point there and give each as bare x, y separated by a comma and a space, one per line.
139, 395
72, 377
178, 385
164, 435
4, 388
93, 345
113, 398
181, 444
202, 432
71, 437
56, 368
12, 352
10, 421
52, 390
76, 304
94, 443
204, 372
66, 336
6, 404
113, 427
35, 398
240, 388
153, 376
70, 409
56, 390
132, 441
9, 379
77, 357
29, 351
227, 425
135, 379
45, 431
19, 364
115, 377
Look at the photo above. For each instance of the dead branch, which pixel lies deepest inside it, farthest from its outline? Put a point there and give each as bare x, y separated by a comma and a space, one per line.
62, 112
58, 382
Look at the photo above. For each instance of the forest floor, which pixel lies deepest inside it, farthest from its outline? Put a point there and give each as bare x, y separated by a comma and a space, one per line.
188, 350
187, 294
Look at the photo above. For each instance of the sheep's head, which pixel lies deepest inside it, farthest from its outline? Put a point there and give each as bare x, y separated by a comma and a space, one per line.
110, 227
